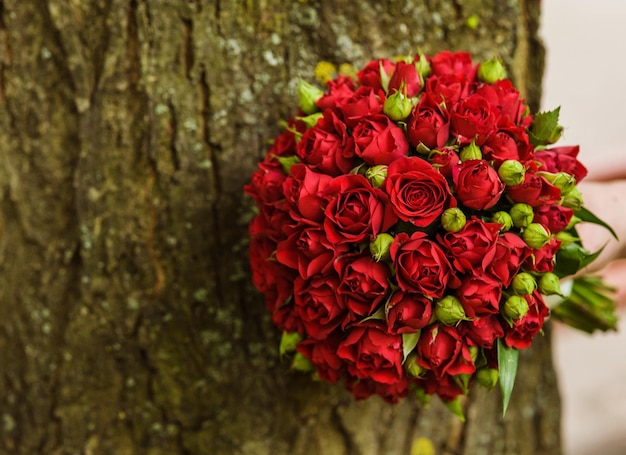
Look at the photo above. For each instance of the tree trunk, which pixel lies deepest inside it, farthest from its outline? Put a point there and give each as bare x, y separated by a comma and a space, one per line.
129, 324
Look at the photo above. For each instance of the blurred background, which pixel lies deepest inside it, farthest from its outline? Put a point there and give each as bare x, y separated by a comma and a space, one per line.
586, 76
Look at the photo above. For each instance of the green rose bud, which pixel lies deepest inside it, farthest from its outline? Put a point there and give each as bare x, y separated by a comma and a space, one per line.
453, 219
422, 149
301, 363
535, 235
573, 199
522, 215
379, 248
412, 367
512, 172
491, 71
515, 307
376, 175
523, 283
422, 66
307, 97
398, 106
566, 238
555, 135
471, 152
450, 311
487, 377
562, 180
503, 219
288, 342
550, 284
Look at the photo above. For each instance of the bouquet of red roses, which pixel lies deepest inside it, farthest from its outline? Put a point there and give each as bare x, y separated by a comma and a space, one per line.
411, 219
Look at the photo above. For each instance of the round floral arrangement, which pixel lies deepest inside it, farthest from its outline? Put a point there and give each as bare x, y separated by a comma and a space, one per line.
412, 217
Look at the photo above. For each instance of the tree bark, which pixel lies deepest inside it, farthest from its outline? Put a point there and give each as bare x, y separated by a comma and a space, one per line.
129, 324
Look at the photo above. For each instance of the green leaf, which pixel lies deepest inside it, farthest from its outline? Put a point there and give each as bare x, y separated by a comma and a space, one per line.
301, 363
507, 364
287, 161
456, 408
586, 215
379, 314
573, 257
409, 341
544, 126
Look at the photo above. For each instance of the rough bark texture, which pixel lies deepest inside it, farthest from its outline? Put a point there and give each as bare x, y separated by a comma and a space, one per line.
129, 325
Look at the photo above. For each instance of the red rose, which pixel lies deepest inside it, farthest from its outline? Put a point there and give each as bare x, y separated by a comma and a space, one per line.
327, 146
305, 191
364, 388
339, 90
473, 119
508, 144
369, 76
266, 185
511, 252
418, 193
562, 159
534, 191
356, 211
308, 251
405, 75
507, 99
473, 247
408, 313
371, 353
323, 354
449, 88
520, 336
554, 217
285, 142
483, 331
480, 295
446, 387
441, 349
317, 305
459, 63
428, 124
444, 160
363, 284
421, 265
542, 260
364, 103
477, 184
378, 140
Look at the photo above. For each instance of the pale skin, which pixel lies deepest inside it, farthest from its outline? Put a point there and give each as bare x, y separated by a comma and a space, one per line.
607, 200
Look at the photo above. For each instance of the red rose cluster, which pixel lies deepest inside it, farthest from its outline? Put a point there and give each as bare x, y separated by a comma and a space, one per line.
410, 218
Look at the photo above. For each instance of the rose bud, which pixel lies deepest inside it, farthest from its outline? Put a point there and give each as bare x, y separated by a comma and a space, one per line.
453, 219
521, 214
535, 235
573, 199
423, 66
549, 284
379, 248
487, 377
523, 284
376, 175
491, 70
288, 342
307, 97
301, 363
562, 180
398, 106
515, 307
471, 152
503, 219
450, 311
566, 238
512, 172
412, 367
